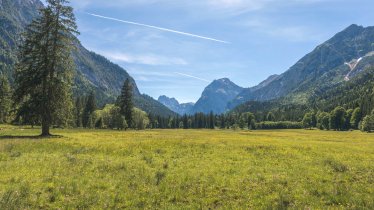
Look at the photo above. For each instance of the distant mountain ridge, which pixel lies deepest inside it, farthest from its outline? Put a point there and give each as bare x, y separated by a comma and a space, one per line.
174, 105
93, 72
213, 99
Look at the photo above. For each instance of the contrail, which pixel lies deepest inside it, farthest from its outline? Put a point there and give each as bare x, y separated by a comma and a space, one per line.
158, 28
198, 78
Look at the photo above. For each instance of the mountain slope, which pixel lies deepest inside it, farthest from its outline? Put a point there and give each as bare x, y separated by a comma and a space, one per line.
357, 92
14, 15
93, 72
216, 96
324, 66
174, 105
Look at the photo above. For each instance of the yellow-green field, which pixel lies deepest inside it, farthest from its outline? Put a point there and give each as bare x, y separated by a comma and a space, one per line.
187, 169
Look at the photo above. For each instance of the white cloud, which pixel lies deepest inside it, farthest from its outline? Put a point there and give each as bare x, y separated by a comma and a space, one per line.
294, 33
237, 6
146, 59
224, 6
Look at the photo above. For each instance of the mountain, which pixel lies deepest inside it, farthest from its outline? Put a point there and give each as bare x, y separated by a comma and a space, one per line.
174, 105
350, 94
216, 96
93, 72
342, 57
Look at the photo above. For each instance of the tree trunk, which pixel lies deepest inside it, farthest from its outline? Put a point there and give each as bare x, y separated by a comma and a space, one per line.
45, 128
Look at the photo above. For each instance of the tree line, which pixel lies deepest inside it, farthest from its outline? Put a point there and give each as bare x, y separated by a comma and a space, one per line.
339, 119
233, 120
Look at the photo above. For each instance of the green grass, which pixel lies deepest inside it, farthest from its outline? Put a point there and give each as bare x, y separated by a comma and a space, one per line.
187, 169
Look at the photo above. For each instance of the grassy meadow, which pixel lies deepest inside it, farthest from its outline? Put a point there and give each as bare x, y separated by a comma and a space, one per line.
186, 169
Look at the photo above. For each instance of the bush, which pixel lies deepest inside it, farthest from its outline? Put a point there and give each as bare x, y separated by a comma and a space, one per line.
367, 124
109, 117
140, 119
309, 120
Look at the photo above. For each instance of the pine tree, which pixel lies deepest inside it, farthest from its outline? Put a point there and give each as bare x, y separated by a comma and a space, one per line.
5, 99
125, 102
185, 122
323, 119
91, 123
78, 112
44, 72
337, 119
89, 109
211, 120
356, 118
348, 116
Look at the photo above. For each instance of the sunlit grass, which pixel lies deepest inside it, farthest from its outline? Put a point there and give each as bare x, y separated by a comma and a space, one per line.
186, 169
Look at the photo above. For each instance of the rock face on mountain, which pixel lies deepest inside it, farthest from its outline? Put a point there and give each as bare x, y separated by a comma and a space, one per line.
216, 96
325, 66
174, 105
93, 72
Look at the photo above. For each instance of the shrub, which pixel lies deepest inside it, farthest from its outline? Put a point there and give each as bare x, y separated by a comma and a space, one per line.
367, 124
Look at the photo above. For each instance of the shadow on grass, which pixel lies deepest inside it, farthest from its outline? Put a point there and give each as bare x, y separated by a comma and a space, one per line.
30, 137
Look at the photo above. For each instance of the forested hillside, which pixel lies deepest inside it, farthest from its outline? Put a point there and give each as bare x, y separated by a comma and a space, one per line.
358, 92
14, 16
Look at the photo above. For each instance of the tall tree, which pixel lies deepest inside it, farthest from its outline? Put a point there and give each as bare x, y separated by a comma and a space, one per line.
185, 121
45, 69
5, 99
78, 112
348, 116
211, 120
308, 120
356, 118
125, 102
323, 120
89, 109
337, 119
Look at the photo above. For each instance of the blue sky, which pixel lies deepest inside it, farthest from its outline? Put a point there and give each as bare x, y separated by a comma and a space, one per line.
265, 37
